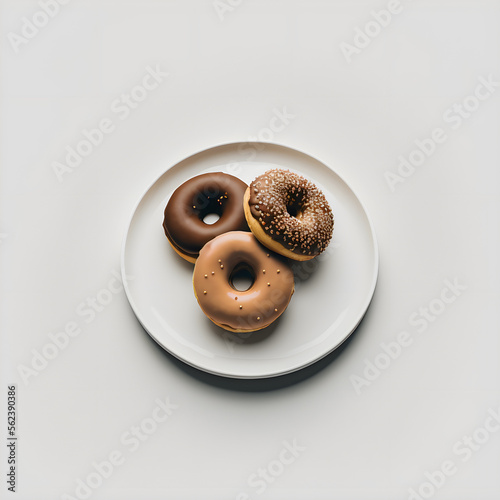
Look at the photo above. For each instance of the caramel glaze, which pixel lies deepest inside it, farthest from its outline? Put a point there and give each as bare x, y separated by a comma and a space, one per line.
241, 311
202, 195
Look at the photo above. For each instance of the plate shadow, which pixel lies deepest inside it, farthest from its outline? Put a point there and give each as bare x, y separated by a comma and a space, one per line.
262, 384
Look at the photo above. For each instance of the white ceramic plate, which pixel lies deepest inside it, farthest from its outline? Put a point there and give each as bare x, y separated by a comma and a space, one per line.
332, 291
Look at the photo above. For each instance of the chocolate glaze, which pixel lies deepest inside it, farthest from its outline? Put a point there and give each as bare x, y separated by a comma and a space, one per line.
204, 194
292, 211
247, 310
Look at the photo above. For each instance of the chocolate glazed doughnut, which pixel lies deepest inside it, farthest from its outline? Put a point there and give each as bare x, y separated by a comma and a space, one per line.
204, 194
289, 214
241, 311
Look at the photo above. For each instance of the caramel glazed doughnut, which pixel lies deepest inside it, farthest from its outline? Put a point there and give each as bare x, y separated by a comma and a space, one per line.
241, 311
202, 195
289, 214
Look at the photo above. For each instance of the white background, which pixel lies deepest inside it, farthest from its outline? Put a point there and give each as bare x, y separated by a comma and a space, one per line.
61, 242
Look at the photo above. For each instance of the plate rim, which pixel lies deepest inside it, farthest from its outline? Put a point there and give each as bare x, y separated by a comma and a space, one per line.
373, 283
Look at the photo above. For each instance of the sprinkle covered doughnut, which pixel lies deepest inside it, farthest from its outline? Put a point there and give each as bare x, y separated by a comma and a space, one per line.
241, 311
192, 201
289, 214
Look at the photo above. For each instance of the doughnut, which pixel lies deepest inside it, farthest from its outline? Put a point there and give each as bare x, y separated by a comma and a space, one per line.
241, 311
204, 194
288, 214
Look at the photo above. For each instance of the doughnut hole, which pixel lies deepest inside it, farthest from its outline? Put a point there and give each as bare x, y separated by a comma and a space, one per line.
294, 206
294, 211
211, 218
242, 277
209, 208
